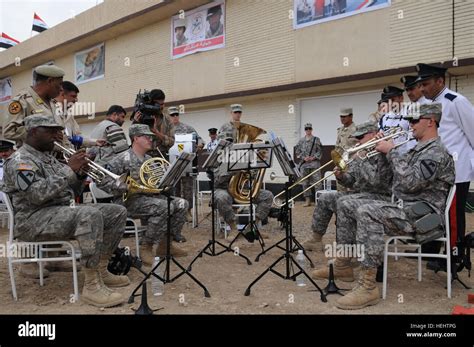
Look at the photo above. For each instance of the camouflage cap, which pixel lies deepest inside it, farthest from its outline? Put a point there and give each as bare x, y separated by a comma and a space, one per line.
173, 110
36, 121
364, 128
426, 111
49, 71
236, 107
139, 129
345, 111
308, 125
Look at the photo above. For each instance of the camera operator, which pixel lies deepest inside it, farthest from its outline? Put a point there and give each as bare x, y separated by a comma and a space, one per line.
159, 123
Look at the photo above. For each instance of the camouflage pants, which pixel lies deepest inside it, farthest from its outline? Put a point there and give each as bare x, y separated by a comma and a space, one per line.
374, 219
324, 210
224, 201
184, 189
98, 228
310, 180
153, 211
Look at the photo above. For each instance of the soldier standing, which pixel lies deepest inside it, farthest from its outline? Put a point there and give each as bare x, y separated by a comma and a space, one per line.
309, 151
456, 131
344, 141
43, 190
424, 174
185, 187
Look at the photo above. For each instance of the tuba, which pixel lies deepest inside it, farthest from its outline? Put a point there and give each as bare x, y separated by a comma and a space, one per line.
239, 183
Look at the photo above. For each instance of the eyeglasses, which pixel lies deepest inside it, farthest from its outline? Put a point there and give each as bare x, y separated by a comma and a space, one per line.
174, 115
413, 121
349, 115
360, 137
308, 128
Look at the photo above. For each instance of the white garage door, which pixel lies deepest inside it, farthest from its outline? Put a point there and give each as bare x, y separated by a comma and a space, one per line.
323, 112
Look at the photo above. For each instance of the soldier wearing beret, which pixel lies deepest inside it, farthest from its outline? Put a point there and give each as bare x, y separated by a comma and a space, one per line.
35, 100
456, 131
424, 174
43, 191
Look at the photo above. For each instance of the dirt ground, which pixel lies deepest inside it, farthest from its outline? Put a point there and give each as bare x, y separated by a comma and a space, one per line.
227, 276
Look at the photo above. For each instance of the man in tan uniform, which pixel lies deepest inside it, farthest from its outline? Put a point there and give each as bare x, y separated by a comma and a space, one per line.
344, 140
35, 100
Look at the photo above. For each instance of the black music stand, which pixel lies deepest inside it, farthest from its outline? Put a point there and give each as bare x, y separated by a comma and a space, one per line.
213, 162
169, 180
249, 157
290, 169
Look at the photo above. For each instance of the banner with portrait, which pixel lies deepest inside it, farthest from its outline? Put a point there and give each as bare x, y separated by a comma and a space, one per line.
201, 29
90, 64
5, 89
309, 12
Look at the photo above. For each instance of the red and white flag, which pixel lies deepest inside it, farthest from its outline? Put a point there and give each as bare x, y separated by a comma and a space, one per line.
38, 24
7, 41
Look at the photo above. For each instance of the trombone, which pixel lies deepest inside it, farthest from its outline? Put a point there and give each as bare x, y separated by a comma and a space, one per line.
343, 161
95, 171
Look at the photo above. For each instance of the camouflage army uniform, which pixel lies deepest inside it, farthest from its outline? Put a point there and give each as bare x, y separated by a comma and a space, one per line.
43, 190
369, 179
184, 188
152, 209
227, 131
344, 141
113, 133
305, 148
165, 126
25, 104
425, 173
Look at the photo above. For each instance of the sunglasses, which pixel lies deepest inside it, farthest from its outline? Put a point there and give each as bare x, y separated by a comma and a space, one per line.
174, 115
308, 128
413, 121
360, 137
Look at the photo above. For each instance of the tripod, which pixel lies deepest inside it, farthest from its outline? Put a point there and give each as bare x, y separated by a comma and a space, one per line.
210, 248
289, 248
167, 262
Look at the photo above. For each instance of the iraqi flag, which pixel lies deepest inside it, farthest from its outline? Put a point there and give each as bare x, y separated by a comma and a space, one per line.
38, 24
7, 41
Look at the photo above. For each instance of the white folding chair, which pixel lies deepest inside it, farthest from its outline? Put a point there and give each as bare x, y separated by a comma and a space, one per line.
202, 177
129, 229
38, 250
396, 253
327, 185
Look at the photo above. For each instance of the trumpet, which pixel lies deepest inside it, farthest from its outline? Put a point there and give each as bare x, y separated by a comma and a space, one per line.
95, 171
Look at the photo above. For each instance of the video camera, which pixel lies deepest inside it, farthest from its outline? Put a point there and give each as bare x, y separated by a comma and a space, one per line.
144, 105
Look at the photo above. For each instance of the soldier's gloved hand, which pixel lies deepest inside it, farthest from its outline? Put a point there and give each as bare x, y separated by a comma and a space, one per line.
78, 161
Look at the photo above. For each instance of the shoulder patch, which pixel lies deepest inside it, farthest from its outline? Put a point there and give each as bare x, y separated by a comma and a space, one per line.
25, 179
428, 168
450, 96
15, 107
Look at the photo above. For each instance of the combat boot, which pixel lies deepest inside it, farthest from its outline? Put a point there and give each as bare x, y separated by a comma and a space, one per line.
315, 243
31, 270
342, 271
96, 293
146, 254
109, 279
366, 293
174, 251
307, 202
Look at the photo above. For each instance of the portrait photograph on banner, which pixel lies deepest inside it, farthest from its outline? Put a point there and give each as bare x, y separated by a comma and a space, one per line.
5, 89
309, 12
90, 64
201, 29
